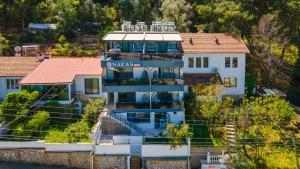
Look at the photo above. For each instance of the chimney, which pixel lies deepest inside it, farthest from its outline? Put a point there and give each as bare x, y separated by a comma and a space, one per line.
217, 41
191, 41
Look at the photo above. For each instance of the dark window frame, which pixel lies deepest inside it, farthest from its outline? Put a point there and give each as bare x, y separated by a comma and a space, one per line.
198, 62
191, 61
205, 62
85, 85
227, 62
12, 84
235, 62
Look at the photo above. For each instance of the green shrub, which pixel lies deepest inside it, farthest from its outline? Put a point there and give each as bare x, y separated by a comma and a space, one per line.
17, 104
93, 109
39, 121
78, 132
56, 136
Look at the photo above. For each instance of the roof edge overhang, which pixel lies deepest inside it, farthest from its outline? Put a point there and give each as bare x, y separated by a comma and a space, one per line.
56, 83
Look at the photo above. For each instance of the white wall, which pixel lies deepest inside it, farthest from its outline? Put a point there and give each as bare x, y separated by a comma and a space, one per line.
176, 118
68, 147
157, 150
21, 144
79, 84
217, 60
3, 88
122, 139
110, 149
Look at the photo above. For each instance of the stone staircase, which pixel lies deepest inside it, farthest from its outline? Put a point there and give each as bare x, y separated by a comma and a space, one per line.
119, 118
231, 131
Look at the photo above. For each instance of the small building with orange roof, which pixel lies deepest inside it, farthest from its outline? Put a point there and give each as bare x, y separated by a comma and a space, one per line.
63, 79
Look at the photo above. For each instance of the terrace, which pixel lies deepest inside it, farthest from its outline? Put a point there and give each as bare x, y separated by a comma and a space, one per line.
157, 81
143, 56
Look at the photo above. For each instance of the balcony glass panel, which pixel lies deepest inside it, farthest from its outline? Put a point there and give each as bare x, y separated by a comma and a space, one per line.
147, 57
57, 92
155, 105
124, 82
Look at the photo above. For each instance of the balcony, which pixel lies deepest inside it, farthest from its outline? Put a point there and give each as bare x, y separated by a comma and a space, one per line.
142, 85
129, 82
145, 106
143, 56
116, 59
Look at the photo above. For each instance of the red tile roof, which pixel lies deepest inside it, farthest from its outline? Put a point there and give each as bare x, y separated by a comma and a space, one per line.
212, 43
201, 78
11, 66
62, 70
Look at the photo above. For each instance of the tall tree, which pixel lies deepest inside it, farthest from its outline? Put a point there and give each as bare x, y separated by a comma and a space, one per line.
224, 16
178, 11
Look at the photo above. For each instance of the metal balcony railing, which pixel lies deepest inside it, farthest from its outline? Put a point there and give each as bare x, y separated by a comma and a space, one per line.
155, 105
123, 120
143, 56
156, 81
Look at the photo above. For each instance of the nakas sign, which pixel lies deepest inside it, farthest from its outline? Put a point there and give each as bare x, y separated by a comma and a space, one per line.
122, 64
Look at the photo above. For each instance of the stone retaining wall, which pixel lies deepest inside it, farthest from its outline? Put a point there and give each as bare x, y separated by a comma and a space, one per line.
167, 164
64, 159
110, 162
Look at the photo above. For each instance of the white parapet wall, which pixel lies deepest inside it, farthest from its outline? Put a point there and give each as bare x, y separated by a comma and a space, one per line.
68, 147
111, 149
122, 139
23, 144
158, 150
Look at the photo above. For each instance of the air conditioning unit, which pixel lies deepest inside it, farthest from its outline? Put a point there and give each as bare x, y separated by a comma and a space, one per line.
215, 70
78, 107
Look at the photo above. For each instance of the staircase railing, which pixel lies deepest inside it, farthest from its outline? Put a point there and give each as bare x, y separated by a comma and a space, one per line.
124, 120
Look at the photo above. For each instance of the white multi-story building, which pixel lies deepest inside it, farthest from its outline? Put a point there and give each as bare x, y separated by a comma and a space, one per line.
142, 75
209, 54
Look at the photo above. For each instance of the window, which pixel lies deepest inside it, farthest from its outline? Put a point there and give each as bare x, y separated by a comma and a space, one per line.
138, 47
12, 83
172, 46
230, 82
191, 62
126, 97
227, 61
91, 86
169, 72
151, 47
138, 117
116, 44
205, 62
235, 62
198, 62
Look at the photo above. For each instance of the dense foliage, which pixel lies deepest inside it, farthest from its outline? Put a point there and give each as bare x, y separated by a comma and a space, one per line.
176, 134
271, 29
16, 105
265, 128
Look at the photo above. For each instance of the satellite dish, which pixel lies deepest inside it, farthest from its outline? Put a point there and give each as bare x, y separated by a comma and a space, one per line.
18, 49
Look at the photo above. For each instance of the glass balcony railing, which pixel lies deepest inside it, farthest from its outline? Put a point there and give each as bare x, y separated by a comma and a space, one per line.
146, 105
156, 81
143, 56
